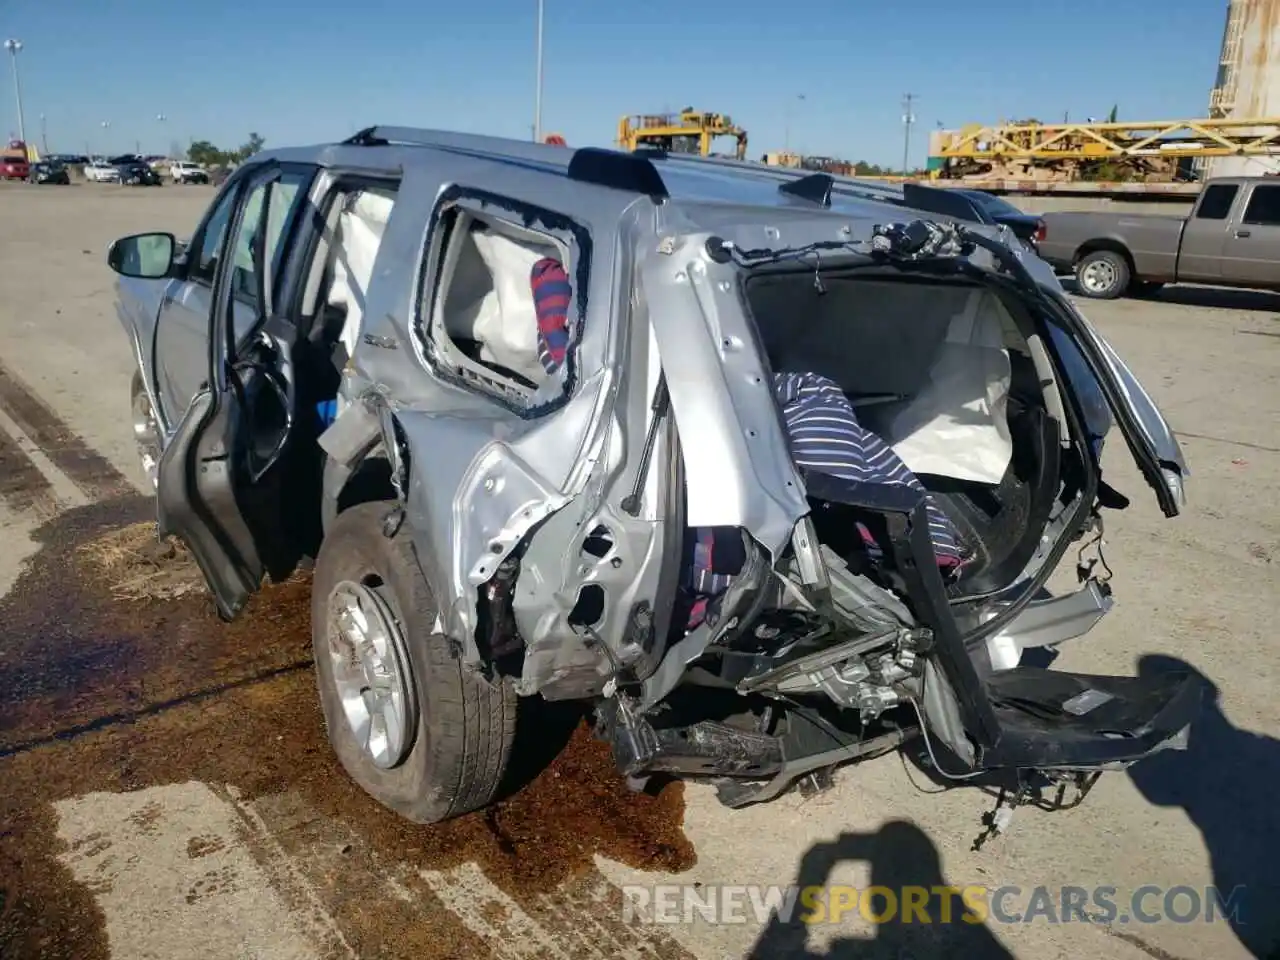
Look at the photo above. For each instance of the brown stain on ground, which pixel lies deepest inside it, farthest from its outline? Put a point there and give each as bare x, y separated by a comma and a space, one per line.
103, 694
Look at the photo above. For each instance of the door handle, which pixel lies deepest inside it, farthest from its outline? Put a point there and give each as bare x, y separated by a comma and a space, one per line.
1241, 234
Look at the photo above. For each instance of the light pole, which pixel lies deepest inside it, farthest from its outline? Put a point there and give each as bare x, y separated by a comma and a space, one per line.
13, 46
786, 134
160, 119
537, 96
106, 135
908, 118
44, 136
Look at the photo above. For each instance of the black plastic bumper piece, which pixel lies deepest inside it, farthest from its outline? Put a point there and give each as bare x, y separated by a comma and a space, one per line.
1051, 720
1026, 717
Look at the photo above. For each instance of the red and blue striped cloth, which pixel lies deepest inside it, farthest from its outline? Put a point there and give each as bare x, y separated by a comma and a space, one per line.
551, 296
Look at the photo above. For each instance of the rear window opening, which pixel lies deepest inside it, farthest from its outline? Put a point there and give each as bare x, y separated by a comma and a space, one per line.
502, 317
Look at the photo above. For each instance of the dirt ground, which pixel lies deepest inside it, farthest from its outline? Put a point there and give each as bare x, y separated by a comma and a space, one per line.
166, 789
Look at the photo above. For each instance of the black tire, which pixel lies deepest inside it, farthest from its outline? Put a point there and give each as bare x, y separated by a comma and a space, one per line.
1102, 275
465, 725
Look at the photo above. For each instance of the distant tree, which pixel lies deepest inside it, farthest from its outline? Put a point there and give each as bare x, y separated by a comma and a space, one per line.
1113, 116
205, 153
254, 145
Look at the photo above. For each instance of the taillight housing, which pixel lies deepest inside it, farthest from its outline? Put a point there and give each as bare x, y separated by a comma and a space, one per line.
1041, 232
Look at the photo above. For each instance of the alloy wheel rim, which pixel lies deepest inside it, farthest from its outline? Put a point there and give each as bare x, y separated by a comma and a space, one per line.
1099, 276
371, 672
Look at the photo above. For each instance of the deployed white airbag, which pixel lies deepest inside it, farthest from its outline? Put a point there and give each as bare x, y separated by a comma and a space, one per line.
956, 426
360, 228
503, 319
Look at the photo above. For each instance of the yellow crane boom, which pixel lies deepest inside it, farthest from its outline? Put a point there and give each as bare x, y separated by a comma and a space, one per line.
1145, 150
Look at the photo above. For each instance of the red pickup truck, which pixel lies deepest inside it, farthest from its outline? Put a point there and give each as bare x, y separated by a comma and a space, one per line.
14, 164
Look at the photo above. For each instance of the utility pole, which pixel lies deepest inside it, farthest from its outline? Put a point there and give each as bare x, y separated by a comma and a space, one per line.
537, 96
786, 135
44, 136
908, 118
13, 46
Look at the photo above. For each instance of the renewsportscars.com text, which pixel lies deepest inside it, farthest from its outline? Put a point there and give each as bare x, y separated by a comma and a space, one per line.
677, 903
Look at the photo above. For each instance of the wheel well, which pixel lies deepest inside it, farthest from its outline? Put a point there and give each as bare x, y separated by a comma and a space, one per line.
369, 482
1114, 246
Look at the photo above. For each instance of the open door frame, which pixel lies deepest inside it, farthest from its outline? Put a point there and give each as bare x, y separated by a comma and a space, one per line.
207, 476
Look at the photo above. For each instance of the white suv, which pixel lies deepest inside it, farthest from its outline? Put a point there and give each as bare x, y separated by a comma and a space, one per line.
183, 171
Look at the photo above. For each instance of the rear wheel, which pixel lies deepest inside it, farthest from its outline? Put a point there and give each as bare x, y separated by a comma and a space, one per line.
415, 729
1103, 274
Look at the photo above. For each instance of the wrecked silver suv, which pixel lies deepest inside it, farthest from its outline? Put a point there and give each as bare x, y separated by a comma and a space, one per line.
768, 469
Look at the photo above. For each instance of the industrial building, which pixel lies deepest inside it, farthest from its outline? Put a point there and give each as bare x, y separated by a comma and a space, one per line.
1248, 82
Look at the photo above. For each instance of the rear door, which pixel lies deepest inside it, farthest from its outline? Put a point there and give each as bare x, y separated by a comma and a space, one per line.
220, 486
1251, 254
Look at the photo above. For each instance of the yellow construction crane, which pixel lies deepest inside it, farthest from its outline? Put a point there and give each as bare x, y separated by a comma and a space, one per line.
689, 131
1153, 152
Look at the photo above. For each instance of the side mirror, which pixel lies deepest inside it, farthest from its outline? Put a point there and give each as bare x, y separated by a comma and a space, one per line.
147, 256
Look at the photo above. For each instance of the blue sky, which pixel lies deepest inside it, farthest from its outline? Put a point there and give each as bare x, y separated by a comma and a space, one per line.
303, 72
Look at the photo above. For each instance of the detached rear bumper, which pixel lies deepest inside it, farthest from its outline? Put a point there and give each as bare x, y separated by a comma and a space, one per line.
1024, 717
1051, 720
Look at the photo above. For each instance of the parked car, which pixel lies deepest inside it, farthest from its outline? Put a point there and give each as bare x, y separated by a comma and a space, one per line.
49, 171
138, 173
512, 489
98, 170
184, 171
1028, 227
1230, 239
14, 165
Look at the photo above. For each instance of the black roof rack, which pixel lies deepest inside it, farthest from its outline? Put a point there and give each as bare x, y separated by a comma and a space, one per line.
816, 188
621, 171
946, 202
368, 137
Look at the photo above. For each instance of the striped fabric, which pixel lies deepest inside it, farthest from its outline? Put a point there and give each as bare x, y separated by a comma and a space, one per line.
826, 437
551, 296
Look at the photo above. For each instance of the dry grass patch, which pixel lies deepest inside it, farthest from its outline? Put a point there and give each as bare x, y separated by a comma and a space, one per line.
136, 564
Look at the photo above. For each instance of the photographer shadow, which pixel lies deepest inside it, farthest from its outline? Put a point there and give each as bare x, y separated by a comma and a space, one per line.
901, 856
1227, 781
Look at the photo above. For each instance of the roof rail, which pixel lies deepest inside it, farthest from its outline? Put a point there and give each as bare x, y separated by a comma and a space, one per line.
618, 170
816, 188
472, 143
368, 137
606, 168
842, 186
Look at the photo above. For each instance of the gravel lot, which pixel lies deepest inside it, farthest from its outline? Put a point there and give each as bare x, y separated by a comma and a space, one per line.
165, 789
